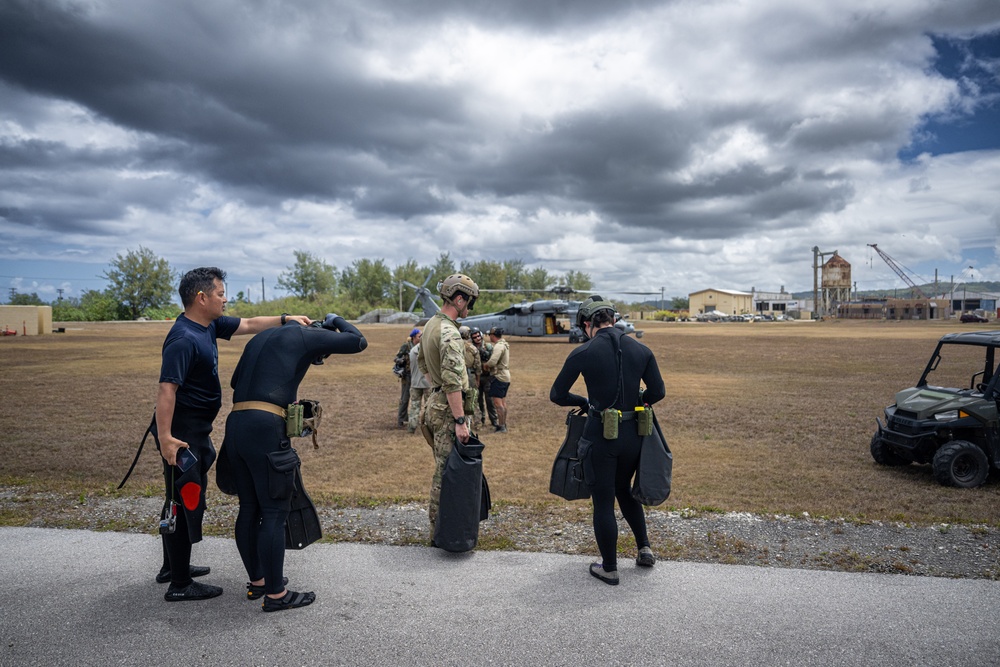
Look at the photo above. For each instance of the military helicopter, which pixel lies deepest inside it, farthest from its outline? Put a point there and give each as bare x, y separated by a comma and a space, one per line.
546, 318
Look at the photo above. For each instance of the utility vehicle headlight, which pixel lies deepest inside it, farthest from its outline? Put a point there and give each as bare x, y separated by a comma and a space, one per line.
947, 416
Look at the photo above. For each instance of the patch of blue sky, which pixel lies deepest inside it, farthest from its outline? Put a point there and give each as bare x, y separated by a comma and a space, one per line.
975, 125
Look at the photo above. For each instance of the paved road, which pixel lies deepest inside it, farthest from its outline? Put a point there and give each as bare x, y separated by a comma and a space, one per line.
83, 598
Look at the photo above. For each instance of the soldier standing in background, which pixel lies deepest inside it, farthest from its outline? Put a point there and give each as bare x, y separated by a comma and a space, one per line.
483, 400
420, 389
403, 362
474, 367
499, 365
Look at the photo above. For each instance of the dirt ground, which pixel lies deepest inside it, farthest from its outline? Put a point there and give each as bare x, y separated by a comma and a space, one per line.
768, 423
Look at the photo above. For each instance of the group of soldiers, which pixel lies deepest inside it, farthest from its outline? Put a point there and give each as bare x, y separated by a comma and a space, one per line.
486, 361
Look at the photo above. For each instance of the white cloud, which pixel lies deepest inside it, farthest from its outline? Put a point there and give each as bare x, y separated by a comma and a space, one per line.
693, 143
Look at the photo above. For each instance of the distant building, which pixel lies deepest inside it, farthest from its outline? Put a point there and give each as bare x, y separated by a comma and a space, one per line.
964, 300
781, 303
729, 302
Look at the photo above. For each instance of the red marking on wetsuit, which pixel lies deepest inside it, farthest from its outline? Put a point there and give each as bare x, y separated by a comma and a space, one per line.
191, 495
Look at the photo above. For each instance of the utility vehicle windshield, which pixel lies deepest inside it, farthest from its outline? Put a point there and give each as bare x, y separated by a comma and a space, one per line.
960, 366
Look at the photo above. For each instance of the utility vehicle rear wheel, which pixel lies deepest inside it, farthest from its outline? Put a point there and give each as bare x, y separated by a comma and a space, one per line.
960, 463
884, 455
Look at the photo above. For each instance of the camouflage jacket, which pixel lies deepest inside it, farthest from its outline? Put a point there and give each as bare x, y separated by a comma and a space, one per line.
442, 355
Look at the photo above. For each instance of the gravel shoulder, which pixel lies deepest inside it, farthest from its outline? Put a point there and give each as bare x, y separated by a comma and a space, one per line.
804, 542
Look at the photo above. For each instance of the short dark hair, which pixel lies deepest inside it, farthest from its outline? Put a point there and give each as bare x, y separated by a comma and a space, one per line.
603, 316
197, 280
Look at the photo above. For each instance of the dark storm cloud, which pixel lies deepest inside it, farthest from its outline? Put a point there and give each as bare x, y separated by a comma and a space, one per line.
541, 15
701, 123
294, 132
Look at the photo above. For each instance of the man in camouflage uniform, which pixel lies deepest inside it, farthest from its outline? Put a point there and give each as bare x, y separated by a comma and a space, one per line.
499, 365
483, 400
442, 359
474, 367
403, 359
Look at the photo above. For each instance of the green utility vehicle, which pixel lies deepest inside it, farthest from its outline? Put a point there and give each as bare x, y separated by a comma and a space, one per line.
949, 419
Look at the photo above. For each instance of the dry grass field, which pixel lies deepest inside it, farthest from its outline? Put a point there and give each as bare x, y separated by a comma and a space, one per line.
761, 417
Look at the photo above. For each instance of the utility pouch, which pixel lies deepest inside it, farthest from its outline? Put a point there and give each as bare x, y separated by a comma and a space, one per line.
644, 417
293, 422
303, 419
282, 465
610, 419
469, 400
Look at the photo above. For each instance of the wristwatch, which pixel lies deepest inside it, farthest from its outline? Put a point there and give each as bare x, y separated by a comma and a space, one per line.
283, 316
460, 420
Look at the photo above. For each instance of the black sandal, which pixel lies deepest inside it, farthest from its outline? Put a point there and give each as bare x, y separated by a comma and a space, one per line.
257, 592
290, 601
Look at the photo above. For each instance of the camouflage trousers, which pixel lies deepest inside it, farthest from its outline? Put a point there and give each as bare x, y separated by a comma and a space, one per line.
418, 397
439, 430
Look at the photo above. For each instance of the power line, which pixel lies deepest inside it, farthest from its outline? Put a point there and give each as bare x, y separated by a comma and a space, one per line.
48, 278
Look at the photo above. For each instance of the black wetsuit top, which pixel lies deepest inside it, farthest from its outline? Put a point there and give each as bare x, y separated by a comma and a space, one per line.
597, 361
275, 361
610, 465
271, 368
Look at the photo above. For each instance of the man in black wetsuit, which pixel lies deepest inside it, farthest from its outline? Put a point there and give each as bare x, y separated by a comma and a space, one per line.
260, 453
187, 401
612, 365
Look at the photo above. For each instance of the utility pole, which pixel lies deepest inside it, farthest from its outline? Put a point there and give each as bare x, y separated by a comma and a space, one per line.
13, 293
817, 258
262, 297
60, 290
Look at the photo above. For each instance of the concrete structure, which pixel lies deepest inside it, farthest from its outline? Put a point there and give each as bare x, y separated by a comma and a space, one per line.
835, 283
730, 302
26, 320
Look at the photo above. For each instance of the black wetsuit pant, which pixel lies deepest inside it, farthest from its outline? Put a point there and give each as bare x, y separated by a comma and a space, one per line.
613, 465
188, 490
265, 493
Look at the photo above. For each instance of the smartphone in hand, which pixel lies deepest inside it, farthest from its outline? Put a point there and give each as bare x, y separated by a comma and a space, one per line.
185, 459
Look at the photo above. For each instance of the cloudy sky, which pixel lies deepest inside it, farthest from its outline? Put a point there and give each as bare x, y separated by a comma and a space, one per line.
674, 144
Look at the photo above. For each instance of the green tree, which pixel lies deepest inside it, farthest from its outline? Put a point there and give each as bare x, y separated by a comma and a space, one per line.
578, 280
443, 267
99, 306
680, 303
536, 279
140, 280
368, 282
514, 274
26, 300
309, 277
486, 273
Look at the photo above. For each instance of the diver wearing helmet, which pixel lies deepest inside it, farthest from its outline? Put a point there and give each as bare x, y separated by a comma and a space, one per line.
614, 366
265, 381
442, 359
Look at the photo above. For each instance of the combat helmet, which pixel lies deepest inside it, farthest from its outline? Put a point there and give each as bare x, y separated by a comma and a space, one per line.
590, 307
465, 332
458, 282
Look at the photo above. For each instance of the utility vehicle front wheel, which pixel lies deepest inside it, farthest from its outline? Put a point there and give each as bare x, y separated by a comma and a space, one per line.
960, 463
884, 455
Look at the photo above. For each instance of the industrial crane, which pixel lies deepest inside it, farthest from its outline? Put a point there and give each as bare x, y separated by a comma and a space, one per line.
899, 271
